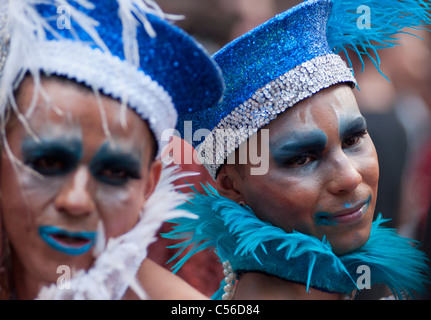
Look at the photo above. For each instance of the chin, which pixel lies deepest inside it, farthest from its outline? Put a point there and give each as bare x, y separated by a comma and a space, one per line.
350, 242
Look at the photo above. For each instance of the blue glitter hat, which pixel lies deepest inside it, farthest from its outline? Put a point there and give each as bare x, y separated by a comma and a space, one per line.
126, 49
288, 59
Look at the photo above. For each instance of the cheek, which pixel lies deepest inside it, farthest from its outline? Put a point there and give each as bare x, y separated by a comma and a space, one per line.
119, 209
288, 203
369, 168
26, 194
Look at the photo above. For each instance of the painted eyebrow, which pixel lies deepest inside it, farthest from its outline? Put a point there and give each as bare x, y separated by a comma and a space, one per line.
115, 156
32, 149
298, 143
349, 127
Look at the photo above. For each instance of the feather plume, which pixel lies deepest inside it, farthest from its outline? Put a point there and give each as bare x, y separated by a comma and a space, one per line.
388, 18
394, 258
132, 13
250, 244
23, 30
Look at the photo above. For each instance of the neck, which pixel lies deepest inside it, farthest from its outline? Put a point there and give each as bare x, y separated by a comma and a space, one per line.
254, 285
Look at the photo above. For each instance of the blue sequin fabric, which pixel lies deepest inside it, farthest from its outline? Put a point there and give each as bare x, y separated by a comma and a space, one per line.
174, 72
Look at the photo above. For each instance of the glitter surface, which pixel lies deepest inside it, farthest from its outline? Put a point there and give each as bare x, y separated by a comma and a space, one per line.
172, 59
253, 63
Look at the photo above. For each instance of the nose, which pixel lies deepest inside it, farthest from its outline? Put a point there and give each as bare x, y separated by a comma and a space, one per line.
344, 176
75, 197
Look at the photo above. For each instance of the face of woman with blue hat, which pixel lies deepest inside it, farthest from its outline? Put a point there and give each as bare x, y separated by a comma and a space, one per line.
295, 170
75, 176
82, 127
322, 175
322, 169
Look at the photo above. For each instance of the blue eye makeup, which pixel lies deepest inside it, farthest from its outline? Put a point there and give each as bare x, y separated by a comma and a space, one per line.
298, 147
51, 157
114, 166
352, 129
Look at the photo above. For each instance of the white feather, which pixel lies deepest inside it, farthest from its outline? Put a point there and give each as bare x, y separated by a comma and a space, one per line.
132, 13
23, 29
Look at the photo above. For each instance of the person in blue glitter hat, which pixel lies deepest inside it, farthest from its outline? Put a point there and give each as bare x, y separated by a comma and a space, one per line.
87, 89
295, 170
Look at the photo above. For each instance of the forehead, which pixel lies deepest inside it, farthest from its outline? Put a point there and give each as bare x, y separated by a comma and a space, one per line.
326, 109
67, 109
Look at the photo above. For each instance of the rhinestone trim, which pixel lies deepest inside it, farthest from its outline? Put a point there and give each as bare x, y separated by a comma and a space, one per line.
267, 103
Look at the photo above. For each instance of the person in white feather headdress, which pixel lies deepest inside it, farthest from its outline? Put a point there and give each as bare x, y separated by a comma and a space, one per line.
87, 88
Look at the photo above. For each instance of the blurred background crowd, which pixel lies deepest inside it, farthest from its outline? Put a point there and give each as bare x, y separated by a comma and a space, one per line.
398, 114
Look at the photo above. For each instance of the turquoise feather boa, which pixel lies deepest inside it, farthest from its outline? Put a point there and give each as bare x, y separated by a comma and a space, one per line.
388, 19
250, 244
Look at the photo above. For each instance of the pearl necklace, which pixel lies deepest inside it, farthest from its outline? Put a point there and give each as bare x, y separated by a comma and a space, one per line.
230, 277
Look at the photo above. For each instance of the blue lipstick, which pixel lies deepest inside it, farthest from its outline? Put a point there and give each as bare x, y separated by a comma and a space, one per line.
68, 242
352, 213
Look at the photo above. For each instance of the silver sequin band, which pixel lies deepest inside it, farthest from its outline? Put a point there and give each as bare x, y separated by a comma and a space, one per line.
267, 103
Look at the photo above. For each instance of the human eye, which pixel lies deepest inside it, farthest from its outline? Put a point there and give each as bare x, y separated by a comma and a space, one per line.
50, 165
300, 161
115, 175
354, 139
51, 158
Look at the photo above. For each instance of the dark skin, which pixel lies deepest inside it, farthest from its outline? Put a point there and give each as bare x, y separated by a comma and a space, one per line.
321, 182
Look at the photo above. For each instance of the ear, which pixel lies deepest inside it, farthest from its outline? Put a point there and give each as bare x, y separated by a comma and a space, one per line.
153, 178
228, 183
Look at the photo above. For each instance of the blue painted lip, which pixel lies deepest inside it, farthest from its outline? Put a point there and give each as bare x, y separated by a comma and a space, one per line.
85, 239
323, 218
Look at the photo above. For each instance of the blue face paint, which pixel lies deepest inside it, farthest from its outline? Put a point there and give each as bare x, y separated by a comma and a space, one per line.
323, 218
115, 166
298, 144
71, 243
52, 157
349, 128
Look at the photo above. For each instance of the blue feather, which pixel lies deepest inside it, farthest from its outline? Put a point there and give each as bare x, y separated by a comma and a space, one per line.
388, 18
246, 242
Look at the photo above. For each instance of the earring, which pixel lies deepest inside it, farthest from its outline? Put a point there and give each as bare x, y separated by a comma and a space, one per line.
241, 203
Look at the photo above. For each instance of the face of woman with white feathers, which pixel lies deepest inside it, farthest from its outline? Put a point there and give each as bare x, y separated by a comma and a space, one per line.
75, 168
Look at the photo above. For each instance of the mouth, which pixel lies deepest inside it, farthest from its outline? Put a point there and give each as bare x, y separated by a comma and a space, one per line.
68, 242
352, 214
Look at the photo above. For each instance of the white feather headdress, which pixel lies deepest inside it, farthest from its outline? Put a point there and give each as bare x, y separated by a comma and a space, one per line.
27, 47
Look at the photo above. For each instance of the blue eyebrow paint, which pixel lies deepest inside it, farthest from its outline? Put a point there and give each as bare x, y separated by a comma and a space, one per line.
115, 166
350, 127
297, 144
52, 235
54, 156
